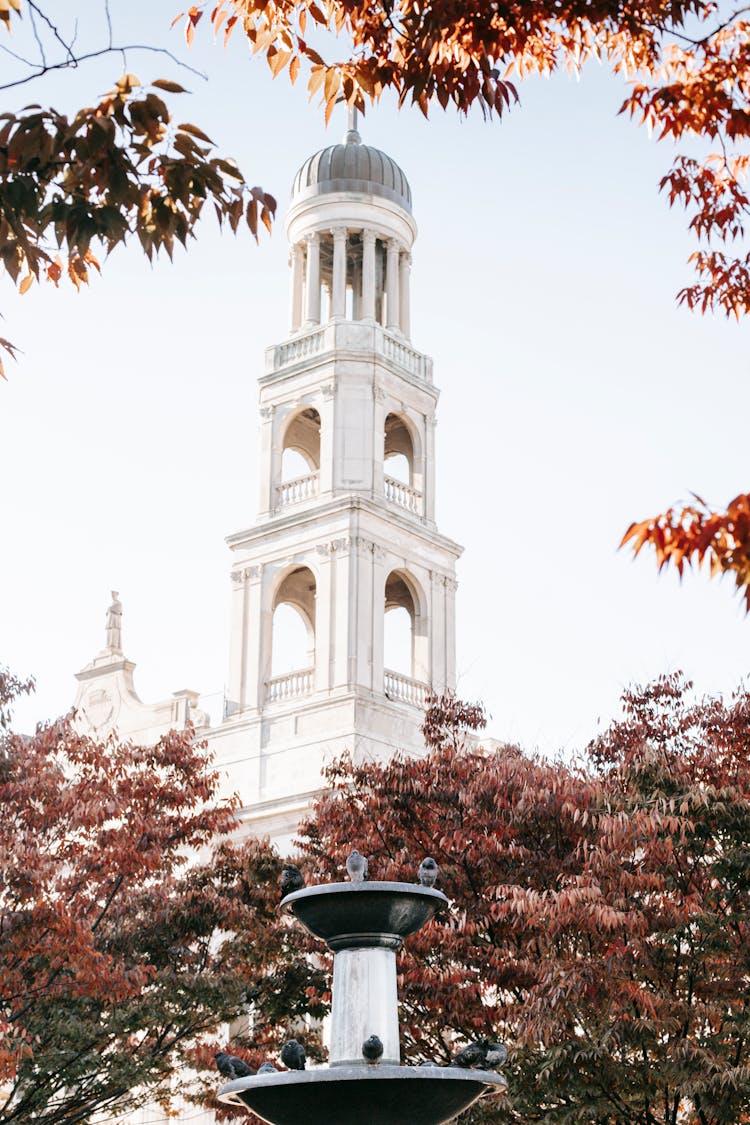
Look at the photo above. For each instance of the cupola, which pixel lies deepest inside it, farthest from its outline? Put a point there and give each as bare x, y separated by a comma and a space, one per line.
351, 232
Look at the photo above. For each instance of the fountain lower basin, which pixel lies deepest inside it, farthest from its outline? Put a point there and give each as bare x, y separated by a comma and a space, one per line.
352, 1095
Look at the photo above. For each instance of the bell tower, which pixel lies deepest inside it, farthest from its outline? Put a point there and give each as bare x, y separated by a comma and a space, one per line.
346, 528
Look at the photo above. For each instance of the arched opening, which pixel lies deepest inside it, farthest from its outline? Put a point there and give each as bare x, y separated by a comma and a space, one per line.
302, 439
404, 640
293, 636
300, 457
402, 477
398, 450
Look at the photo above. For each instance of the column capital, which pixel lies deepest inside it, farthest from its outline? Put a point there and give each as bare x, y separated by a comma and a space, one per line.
312, 237
368, 235
339, 233
394, 246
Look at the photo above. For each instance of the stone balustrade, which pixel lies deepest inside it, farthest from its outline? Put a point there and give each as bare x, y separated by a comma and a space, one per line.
353, 336
407, 357
399, 493
301, 488
404, 689
290, 686
298, 348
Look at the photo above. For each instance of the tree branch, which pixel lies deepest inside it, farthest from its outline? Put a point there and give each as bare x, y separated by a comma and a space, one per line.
67, 64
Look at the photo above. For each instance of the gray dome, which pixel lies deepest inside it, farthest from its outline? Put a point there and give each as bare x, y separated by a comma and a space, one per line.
352, 166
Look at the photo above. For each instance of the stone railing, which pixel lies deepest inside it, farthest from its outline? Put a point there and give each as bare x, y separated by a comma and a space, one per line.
299, 348
350, 336
290, 686
404, 689
301, 488
414, 361
399, 493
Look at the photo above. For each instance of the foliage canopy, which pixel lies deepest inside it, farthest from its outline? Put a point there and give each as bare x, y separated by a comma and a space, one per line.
119, 959
600, 911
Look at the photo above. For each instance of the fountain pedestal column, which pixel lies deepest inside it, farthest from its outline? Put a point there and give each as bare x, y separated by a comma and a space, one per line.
365, 1003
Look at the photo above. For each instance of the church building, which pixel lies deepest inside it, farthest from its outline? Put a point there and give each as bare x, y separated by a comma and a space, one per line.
345, 532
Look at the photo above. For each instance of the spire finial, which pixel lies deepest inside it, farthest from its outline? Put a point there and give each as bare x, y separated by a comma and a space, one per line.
351, 136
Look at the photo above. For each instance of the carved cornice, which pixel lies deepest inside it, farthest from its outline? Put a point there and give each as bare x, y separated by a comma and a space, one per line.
351, 543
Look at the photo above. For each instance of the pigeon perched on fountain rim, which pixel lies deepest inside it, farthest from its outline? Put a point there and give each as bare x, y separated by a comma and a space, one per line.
291, 880
231, 1067
481, 1055
372, 1049
293, 1055
356, 867
496, 1056
267, 1068
428, 872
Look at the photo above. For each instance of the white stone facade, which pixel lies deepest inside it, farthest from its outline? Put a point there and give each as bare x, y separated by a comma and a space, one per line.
342, 542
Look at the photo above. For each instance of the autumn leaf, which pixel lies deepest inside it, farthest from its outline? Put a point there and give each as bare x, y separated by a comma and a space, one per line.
696, 533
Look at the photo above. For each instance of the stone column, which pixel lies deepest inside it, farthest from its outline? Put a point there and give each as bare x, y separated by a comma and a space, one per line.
313, 279
391, 283
405, 314
338, 288
357, 290
297, 274
364, 1002
368, 274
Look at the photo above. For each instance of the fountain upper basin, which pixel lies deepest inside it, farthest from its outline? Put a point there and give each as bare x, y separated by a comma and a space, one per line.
378, 1095
356, 915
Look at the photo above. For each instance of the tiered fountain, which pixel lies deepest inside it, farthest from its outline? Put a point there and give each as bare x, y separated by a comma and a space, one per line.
363, 923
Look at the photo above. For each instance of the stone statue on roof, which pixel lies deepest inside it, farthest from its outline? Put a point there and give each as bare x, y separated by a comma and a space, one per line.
114, 624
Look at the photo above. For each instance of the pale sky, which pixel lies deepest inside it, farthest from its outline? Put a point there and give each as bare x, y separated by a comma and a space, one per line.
576, 397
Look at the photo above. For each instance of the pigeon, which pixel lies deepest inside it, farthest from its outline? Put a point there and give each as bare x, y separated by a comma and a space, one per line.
293, 1055
428, 872
496, 1056
251, 994
175, 952
291, 879
267, 1068
356, 866
473, 1057
372, 1050
232, 1067
428, 1062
